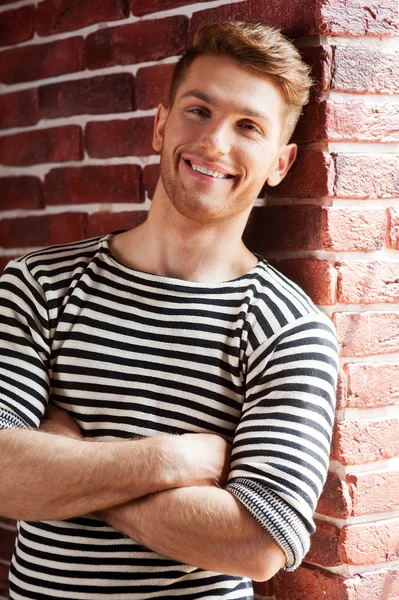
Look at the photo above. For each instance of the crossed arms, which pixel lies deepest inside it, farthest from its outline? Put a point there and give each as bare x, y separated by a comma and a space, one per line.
160, 491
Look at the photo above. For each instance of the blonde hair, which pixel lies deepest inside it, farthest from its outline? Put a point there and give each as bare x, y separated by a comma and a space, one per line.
261, 48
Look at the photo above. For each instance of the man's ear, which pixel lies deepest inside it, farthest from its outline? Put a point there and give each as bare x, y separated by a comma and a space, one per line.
159, 127
287, 155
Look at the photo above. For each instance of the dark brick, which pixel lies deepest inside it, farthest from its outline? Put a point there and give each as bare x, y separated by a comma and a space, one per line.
104, 222
58, 144
3, 580
7, 539
150, 179
56, 16
274, 228
4, 260
152, 85
317, 278
320, 59
16, 25
20, 192
311, 176
144, 7
95, 95
81, 185
132, 137
311, 126
41, 231
19, 109
29, 63
294, 18
136, 42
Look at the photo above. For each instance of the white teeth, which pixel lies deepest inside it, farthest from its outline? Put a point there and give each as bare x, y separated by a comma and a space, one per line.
208, 171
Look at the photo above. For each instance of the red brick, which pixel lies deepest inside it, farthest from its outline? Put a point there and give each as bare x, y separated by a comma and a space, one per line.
41, 146
374, 492
335, 500
96, 95
28, 63
360, 442
311, 583
263, 589
145, 7
294, 18
366, 175
370, 543
150, 179
342, 390
152, 85
7, 541
367, 333
136, 42
372, 385
81, 185
354, 120
364, 281
317, 278
20, 192
274, 228
106, 222
393, 228
56, 16
324, 547
311, 126
4, 580
16, 25
320, 59
19, 109
4, 260
357, 18
360, 121
43, 230
365, 70
311, 176
130, 137
349, 229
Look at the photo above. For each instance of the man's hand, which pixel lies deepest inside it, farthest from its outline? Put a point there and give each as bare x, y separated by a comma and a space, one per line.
206, 458
202, 458
60, 422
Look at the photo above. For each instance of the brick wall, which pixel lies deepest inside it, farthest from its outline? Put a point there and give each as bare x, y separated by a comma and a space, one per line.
79, 82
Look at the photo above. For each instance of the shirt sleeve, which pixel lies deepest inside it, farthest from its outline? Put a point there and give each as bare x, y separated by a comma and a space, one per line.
281, 446
24, 349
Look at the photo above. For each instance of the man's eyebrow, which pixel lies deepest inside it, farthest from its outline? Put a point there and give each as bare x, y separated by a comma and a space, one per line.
209, 99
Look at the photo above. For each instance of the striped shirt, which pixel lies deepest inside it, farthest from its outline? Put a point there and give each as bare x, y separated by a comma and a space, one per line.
129, 353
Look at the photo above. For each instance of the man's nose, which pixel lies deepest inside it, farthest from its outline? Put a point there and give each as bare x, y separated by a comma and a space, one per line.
216, 139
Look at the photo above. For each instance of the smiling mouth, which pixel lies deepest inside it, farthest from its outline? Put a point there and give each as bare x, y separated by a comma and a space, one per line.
209, 172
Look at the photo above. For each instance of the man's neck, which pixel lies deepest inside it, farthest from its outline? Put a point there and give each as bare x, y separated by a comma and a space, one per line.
169, 244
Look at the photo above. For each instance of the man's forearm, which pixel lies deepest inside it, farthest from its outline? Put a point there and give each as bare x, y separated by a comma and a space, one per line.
206, 527
46, 476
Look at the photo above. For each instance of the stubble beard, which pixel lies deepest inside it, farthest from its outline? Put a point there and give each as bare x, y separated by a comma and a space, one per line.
190, 205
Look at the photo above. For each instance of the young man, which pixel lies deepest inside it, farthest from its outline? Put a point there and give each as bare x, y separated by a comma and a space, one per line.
174, 327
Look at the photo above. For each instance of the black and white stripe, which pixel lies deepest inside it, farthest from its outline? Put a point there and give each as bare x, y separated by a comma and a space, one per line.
135, 354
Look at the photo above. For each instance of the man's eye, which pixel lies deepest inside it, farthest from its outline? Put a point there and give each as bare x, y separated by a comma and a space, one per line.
198, 111
249, 126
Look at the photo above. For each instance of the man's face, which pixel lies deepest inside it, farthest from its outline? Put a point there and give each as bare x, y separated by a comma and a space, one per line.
220, 141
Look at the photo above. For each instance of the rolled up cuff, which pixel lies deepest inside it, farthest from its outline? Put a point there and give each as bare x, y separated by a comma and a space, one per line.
275, 515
